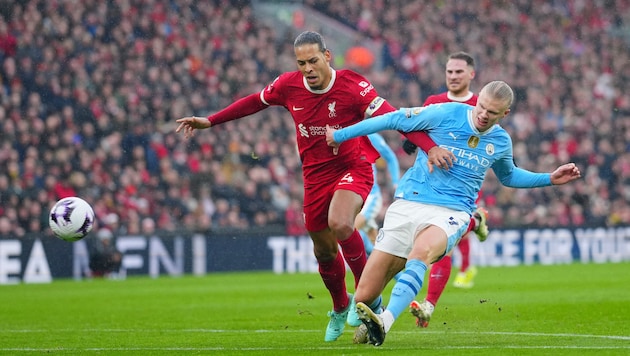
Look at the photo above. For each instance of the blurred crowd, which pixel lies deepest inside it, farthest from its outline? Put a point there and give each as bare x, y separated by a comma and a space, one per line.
90, 90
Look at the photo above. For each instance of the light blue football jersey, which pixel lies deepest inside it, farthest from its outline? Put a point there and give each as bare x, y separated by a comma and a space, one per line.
451, 126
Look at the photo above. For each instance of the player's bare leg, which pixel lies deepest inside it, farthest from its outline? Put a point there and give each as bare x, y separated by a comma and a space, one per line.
379, 270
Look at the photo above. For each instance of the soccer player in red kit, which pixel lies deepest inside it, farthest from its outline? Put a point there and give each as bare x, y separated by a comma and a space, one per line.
460, 70
336, 181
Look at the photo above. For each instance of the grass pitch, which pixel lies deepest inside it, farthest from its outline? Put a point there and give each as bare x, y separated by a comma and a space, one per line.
525, 310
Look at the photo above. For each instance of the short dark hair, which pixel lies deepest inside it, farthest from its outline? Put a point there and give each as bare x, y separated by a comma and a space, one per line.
310, 37
463, 56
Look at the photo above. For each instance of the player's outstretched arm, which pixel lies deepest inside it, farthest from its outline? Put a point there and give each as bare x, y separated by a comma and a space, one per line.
565, 174
191, 123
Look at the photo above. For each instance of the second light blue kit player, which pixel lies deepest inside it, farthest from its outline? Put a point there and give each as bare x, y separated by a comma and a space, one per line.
366, 220
433, 207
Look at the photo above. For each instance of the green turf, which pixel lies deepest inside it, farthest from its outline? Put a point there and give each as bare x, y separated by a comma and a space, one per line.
545, 310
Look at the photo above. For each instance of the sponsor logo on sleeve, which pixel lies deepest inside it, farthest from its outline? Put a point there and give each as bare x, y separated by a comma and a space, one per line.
374, 105
367, 88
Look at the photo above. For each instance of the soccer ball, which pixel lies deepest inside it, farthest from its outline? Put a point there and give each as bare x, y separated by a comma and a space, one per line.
71, 219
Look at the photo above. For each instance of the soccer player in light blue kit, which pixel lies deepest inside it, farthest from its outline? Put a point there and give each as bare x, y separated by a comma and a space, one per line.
433, 208
365, 222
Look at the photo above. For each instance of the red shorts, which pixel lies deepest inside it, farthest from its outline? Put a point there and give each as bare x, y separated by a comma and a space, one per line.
318, 192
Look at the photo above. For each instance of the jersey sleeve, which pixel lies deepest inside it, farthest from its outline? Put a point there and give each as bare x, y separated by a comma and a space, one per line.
273, 93
243, 107
379, 106
420, 139
512, 176
384, 122
403, 120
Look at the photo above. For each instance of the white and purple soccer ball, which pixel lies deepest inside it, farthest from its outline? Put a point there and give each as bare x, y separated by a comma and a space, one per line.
71, 219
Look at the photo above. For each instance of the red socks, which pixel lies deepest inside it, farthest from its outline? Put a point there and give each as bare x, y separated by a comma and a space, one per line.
354, 253
464, 248
334, 272
438, 278
334, 276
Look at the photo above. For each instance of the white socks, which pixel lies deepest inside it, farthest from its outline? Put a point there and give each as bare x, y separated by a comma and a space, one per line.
388, 320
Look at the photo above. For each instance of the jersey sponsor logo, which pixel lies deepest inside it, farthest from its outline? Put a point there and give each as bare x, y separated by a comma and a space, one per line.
295, 108
473, 141
374, 105
314, 130
490, 149
331, 109
468, 159
303, 130
365, 91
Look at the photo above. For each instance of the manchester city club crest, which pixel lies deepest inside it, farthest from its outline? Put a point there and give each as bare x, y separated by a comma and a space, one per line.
490, 149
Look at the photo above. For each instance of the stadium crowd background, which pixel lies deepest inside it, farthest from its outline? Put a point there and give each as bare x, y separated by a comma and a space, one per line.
90, 91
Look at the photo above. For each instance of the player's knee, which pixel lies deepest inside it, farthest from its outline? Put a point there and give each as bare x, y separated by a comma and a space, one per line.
325, 252
425, 254
323, 256
341, 227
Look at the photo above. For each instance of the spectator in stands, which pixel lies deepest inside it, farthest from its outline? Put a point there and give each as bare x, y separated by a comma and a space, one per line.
105, 259
121, 70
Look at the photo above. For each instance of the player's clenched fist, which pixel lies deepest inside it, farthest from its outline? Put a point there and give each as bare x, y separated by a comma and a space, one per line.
190, 123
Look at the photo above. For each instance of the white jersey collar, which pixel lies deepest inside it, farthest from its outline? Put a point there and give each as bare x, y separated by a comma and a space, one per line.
459, 99
333, 77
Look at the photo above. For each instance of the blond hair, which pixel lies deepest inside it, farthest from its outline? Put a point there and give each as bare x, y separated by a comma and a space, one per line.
499, 90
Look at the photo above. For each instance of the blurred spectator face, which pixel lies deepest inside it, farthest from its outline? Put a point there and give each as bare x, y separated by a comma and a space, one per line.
148, 226
5, 225
458, 76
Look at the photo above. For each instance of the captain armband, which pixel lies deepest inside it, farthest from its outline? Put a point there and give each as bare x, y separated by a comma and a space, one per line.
374, 106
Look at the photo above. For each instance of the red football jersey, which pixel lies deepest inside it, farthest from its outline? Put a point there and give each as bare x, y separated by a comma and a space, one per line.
470, 99
347, 100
